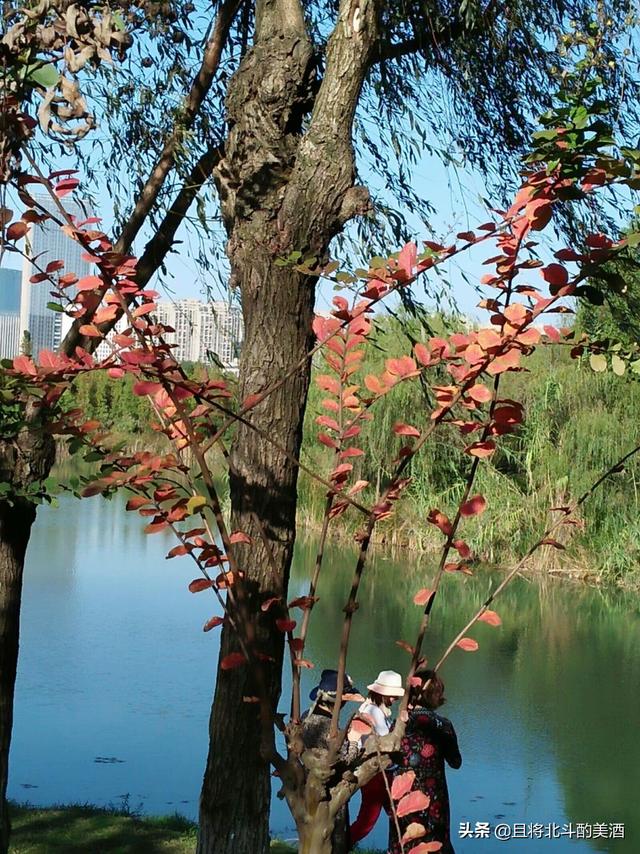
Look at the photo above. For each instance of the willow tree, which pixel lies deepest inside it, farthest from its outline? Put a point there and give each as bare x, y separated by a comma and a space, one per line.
286, 105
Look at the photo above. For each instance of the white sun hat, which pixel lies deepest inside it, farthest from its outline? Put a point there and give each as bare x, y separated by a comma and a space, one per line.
388, 683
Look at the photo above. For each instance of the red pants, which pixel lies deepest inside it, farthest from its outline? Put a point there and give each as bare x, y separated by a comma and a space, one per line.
374, 798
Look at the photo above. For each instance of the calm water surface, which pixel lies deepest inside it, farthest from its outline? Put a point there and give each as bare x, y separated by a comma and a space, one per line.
115, 681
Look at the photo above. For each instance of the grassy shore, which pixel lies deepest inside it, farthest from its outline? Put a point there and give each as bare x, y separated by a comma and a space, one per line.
79, 829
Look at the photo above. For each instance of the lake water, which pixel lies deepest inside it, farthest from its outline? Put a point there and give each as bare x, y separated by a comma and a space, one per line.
115, 681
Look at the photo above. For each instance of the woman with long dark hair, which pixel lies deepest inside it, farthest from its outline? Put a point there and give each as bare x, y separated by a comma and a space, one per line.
429, 741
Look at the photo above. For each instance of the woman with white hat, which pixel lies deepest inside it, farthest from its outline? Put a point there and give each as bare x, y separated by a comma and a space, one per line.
376, 710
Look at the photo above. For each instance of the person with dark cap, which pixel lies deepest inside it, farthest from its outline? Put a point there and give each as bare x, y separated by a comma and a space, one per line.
316, 725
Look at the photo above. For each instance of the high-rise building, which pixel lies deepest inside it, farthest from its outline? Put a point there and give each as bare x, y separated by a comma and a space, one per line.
47, 242
9, 313
203, 331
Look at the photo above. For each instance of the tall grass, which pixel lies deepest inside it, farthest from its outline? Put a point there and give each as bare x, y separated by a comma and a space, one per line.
577, 424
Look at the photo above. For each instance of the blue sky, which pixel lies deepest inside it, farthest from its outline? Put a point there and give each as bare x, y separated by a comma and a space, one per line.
455, 194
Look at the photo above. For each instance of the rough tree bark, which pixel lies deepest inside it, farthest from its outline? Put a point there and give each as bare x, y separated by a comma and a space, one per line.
281, 190
24, 460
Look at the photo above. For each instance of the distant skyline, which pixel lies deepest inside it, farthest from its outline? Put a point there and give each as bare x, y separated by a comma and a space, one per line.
47, 242
9, 313
204, 331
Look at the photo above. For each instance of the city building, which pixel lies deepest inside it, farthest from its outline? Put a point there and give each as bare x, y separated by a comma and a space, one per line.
47, 242
204, 332
9, 313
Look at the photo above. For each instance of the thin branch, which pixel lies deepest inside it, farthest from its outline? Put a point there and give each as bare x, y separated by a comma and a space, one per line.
566, 514
156, 249
186, 117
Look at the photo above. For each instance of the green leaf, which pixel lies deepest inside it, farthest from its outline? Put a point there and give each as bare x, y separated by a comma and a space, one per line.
195, 502
46, 76
598, 362
55, 306
345, 277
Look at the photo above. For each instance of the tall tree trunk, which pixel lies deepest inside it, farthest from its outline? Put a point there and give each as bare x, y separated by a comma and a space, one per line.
15, 527
281, 190
26, 458
236, 793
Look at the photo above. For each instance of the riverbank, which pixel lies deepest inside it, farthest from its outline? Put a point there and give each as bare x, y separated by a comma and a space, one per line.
545, 563
77, 829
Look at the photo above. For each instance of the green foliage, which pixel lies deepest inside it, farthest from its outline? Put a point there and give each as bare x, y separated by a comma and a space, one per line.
577, 423
111, 403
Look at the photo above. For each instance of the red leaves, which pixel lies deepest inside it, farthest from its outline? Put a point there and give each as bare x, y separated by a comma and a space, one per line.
413, 802
24, 365
178, 551
508, 361
462, 548
240, 537
481, 449
62, 188
144, 387
423, 354
425, 848
407, 260
89, 283
555, 275
327, 383
200, 584
490, 617
374, 384
480, 393
212, 623
325, 439
422, 596
340, 474
474, 506
468, 644
441, 521
488, 339
137, 502
551, 542
405, 646
285, 626
232, 661
90, 331
401, 429
328, 422
538, 214
402, 784
156, 526
402, 367
17, 230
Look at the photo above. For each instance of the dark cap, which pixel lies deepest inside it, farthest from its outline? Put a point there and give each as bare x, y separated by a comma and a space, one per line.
329, 685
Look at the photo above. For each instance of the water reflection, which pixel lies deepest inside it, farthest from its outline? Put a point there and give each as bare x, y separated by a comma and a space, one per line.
114, 664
